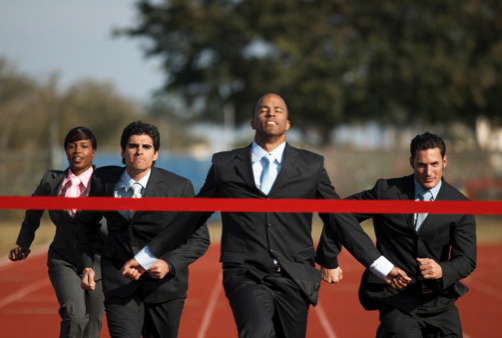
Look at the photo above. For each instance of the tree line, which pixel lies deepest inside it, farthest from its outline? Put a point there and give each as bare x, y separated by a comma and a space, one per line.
335, 61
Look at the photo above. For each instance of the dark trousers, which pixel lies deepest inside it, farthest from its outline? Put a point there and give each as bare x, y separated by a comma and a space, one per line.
81, 311
272, 306
134, 318
398, 324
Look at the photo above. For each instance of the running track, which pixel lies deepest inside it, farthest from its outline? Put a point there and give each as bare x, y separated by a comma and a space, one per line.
28, 306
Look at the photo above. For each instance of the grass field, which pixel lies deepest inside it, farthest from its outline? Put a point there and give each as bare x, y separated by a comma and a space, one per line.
489, 231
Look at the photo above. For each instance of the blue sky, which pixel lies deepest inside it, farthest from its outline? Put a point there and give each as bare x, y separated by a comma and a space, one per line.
73, 39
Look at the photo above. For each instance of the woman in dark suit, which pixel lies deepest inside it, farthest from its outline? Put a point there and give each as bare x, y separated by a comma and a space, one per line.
81, 311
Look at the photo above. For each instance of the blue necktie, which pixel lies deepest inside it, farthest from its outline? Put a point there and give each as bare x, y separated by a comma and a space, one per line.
422, 196
268, 174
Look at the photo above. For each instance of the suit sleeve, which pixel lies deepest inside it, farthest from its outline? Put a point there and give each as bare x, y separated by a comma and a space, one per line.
32, 218
185, 223
463, 252
88, 229
195, 246
371, 194
341, 228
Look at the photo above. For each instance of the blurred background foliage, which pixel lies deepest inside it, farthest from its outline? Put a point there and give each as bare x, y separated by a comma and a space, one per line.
336, 61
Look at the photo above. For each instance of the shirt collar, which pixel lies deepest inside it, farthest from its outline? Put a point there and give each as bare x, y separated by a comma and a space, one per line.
85, 177
126, 181
420, 189
258, 152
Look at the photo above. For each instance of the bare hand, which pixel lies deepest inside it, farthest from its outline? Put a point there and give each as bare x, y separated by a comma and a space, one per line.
132, 269
429, 268
331, 275
159, 269
88, 279
19, 253
397, 278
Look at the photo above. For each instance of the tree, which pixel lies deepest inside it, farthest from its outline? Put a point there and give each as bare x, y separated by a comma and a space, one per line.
334, 60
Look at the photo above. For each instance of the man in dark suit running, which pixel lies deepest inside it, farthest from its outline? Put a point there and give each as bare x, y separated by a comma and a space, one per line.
269, 274
436, 251
148, 307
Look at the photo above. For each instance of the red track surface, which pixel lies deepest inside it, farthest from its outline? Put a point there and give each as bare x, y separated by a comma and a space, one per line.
28, 306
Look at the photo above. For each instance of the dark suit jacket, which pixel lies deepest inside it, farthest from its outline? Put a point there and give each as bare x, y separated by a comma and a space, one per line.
65, 238
450, 240
250, 241
127, 236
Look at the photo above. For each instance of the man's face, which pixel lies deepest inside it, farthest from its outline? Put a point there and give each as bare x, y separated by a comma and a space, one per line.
271, 116
428, 166
139, 153
80, 155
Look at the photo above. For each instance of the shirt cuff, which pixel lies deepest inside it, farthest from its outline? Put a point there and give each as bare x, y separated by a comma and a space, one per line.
381, 267
145, 258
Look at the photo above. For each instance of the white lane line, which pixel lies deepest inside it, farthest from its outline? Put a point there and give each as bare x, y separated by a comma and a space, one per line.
24, 292
323, 318
486, 289
211, 305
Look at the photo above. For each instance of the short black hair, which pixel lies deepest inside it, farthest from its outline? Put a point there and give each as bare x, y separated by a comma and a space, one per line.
79, 134
427, 141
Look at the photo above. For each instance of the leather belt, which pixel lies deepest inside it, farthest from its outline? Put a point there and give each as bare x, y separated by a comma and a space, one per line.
425, 290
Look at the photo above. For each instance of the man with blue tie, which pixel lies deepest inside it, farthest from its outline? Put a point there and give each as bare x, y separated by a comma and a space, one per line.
269, 275
151, 306
436, 251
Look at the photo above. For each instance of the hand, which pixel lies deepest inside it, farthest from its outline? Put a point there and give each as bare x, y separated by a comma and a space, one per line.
88, 279
397, 278
19, 253
159, 269
331, 275
132, 269
429, 268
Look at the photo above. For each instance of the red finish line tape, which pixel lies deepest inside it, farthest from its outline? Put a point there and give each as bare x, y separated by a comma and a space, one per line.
251, 205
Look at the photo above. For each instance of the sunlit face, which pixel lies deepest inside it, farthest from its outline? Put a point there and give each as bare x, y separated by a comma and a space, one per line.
271, 117
428, 166
80, 155
139, 154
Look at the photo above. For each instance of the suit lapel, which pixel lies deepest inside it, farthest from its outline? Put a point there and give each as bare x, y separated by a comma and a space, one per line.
154, 183
408, 193
288, 168
55, 184
153, 188
244, 167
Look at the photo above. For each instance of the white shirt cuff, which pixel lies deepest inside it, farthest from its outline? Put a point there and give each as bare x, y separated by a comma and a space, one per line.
145, 258
380, 267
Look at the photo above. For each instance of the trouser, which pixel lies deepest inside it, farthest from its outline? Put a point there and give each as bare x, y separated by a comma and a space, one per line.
270, 307
81, 311
396, 323
133, 317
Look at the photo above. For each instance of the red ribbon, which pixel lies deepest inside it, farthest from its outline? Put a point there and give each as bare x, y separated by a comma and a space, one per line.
251, 205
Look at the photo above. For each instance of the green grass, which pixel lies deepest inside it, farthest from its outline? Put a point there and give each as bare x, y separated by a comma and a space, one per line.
489, 231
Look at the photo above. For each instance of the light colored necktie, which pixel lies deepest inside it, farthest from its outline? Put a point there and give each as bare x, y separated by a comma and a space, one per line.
136, 190
423, 196
136, 193
268, 174
73, 191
